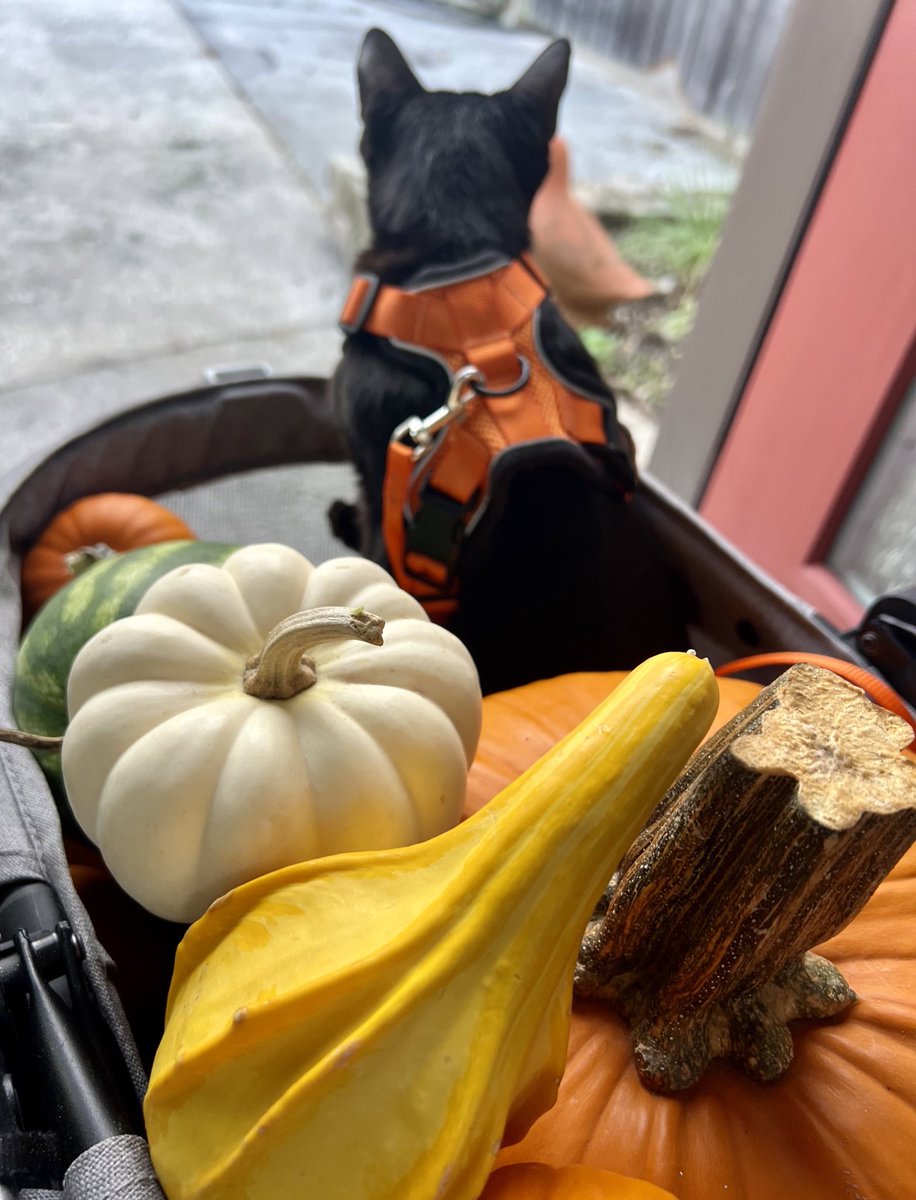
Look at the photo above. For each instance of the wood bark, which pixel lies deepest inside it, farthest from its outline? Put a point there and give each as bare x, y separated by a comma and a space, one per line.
772, 839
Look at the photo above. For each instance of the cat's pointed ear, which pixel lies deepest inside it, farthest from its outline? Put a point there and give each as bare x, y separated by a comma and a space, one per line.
383, 74
543, 83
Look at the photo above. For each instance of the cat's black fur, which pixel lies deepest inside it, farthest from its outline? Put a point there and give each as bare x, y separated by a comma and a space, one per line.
568, 575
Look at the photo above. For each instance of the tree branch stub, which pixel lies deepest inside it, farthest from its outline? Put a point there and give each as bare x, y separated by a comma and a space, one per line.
772, 839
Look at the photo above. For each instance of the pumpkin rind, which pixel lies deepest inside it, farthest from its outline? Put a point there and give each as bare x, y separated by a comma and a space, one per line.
841, 1123
189, 785
537, 1181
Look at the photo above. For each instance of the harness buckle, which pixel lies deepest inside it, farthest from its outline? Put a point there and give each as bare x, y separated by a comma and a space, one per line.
418, 432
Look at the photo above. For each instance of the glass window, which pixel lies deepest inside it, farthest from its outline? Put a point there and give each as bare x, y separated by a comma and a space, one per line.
875, 551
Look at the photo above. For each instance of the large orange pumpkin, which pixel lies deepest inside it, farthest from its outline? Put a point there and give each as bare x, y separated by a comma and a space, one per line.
841, 1125
522, 724
537, 1181
116, 521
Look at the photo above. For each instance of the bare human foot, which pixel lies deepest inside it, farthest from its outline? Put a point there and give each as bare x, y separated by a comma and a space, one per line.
569, 244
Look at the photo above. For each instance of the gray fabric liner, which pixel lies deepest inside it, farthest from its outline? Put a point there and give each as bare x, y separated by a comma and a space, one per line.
116, 1169
180, 441
173, 443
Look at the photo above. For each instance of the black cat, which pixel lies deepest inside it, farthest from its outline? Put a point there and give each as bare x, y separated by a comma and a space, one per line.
563, 573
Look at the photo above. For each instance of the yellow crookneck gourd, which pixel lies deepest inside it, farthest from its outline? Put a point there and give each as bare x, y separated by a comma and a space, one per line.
372, 1026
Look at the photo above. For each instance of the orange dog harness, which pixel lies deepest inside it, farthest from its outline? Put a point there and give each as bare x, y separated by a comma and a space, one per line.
484, 330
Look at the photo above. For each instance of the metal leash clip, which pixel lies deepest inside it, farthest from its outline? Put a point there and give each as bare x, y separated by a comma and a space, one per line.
418, 432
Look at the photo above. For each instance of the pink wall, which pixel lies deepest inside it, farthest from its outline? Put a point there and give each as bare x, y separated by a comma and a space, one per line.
836, 356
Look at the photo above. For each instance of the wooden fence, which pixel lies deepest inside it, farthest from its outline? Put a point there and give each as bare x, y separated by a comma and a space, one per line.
722, 48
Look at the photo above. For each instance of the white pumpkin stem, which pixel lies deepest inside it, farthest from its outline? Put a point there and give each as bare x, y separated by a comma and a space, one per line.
31, 741
283, 668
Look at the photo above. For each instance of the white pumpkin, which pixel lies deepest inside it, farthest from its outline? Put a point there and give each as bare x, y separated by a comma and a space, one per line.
194, 762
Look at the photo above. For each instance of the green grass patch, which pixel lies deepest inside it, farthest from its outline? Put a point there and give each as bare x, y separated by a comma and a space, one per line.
680, 244
639, 374
638, 348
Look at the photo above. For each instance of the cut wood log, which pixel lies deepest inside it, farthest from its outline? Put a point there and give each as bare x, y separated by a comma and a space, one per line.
771, 841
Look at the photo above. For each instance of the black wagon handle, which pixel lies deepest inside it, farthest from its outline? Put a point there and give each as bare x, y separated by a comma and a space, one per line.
64, 1084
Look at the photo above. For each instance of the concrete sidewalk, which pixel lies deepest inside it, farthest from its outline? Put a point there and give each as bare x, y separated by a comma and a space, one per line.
165, 196
148, 221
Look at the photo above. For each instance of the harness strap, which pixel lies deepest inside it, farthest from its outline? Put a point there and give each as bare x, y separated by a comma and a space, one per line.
422, 560
469, 320
434, 493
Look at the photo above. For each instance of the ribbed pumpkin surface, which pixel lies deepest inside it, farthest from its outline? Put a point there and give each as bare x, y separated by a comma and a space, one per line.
841, 1124
536, 1181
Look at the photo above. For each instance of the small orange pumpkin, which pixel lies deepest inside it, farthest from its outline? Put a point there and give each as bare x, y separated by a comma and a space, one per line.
842, 1122
108, 521
537, 1181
